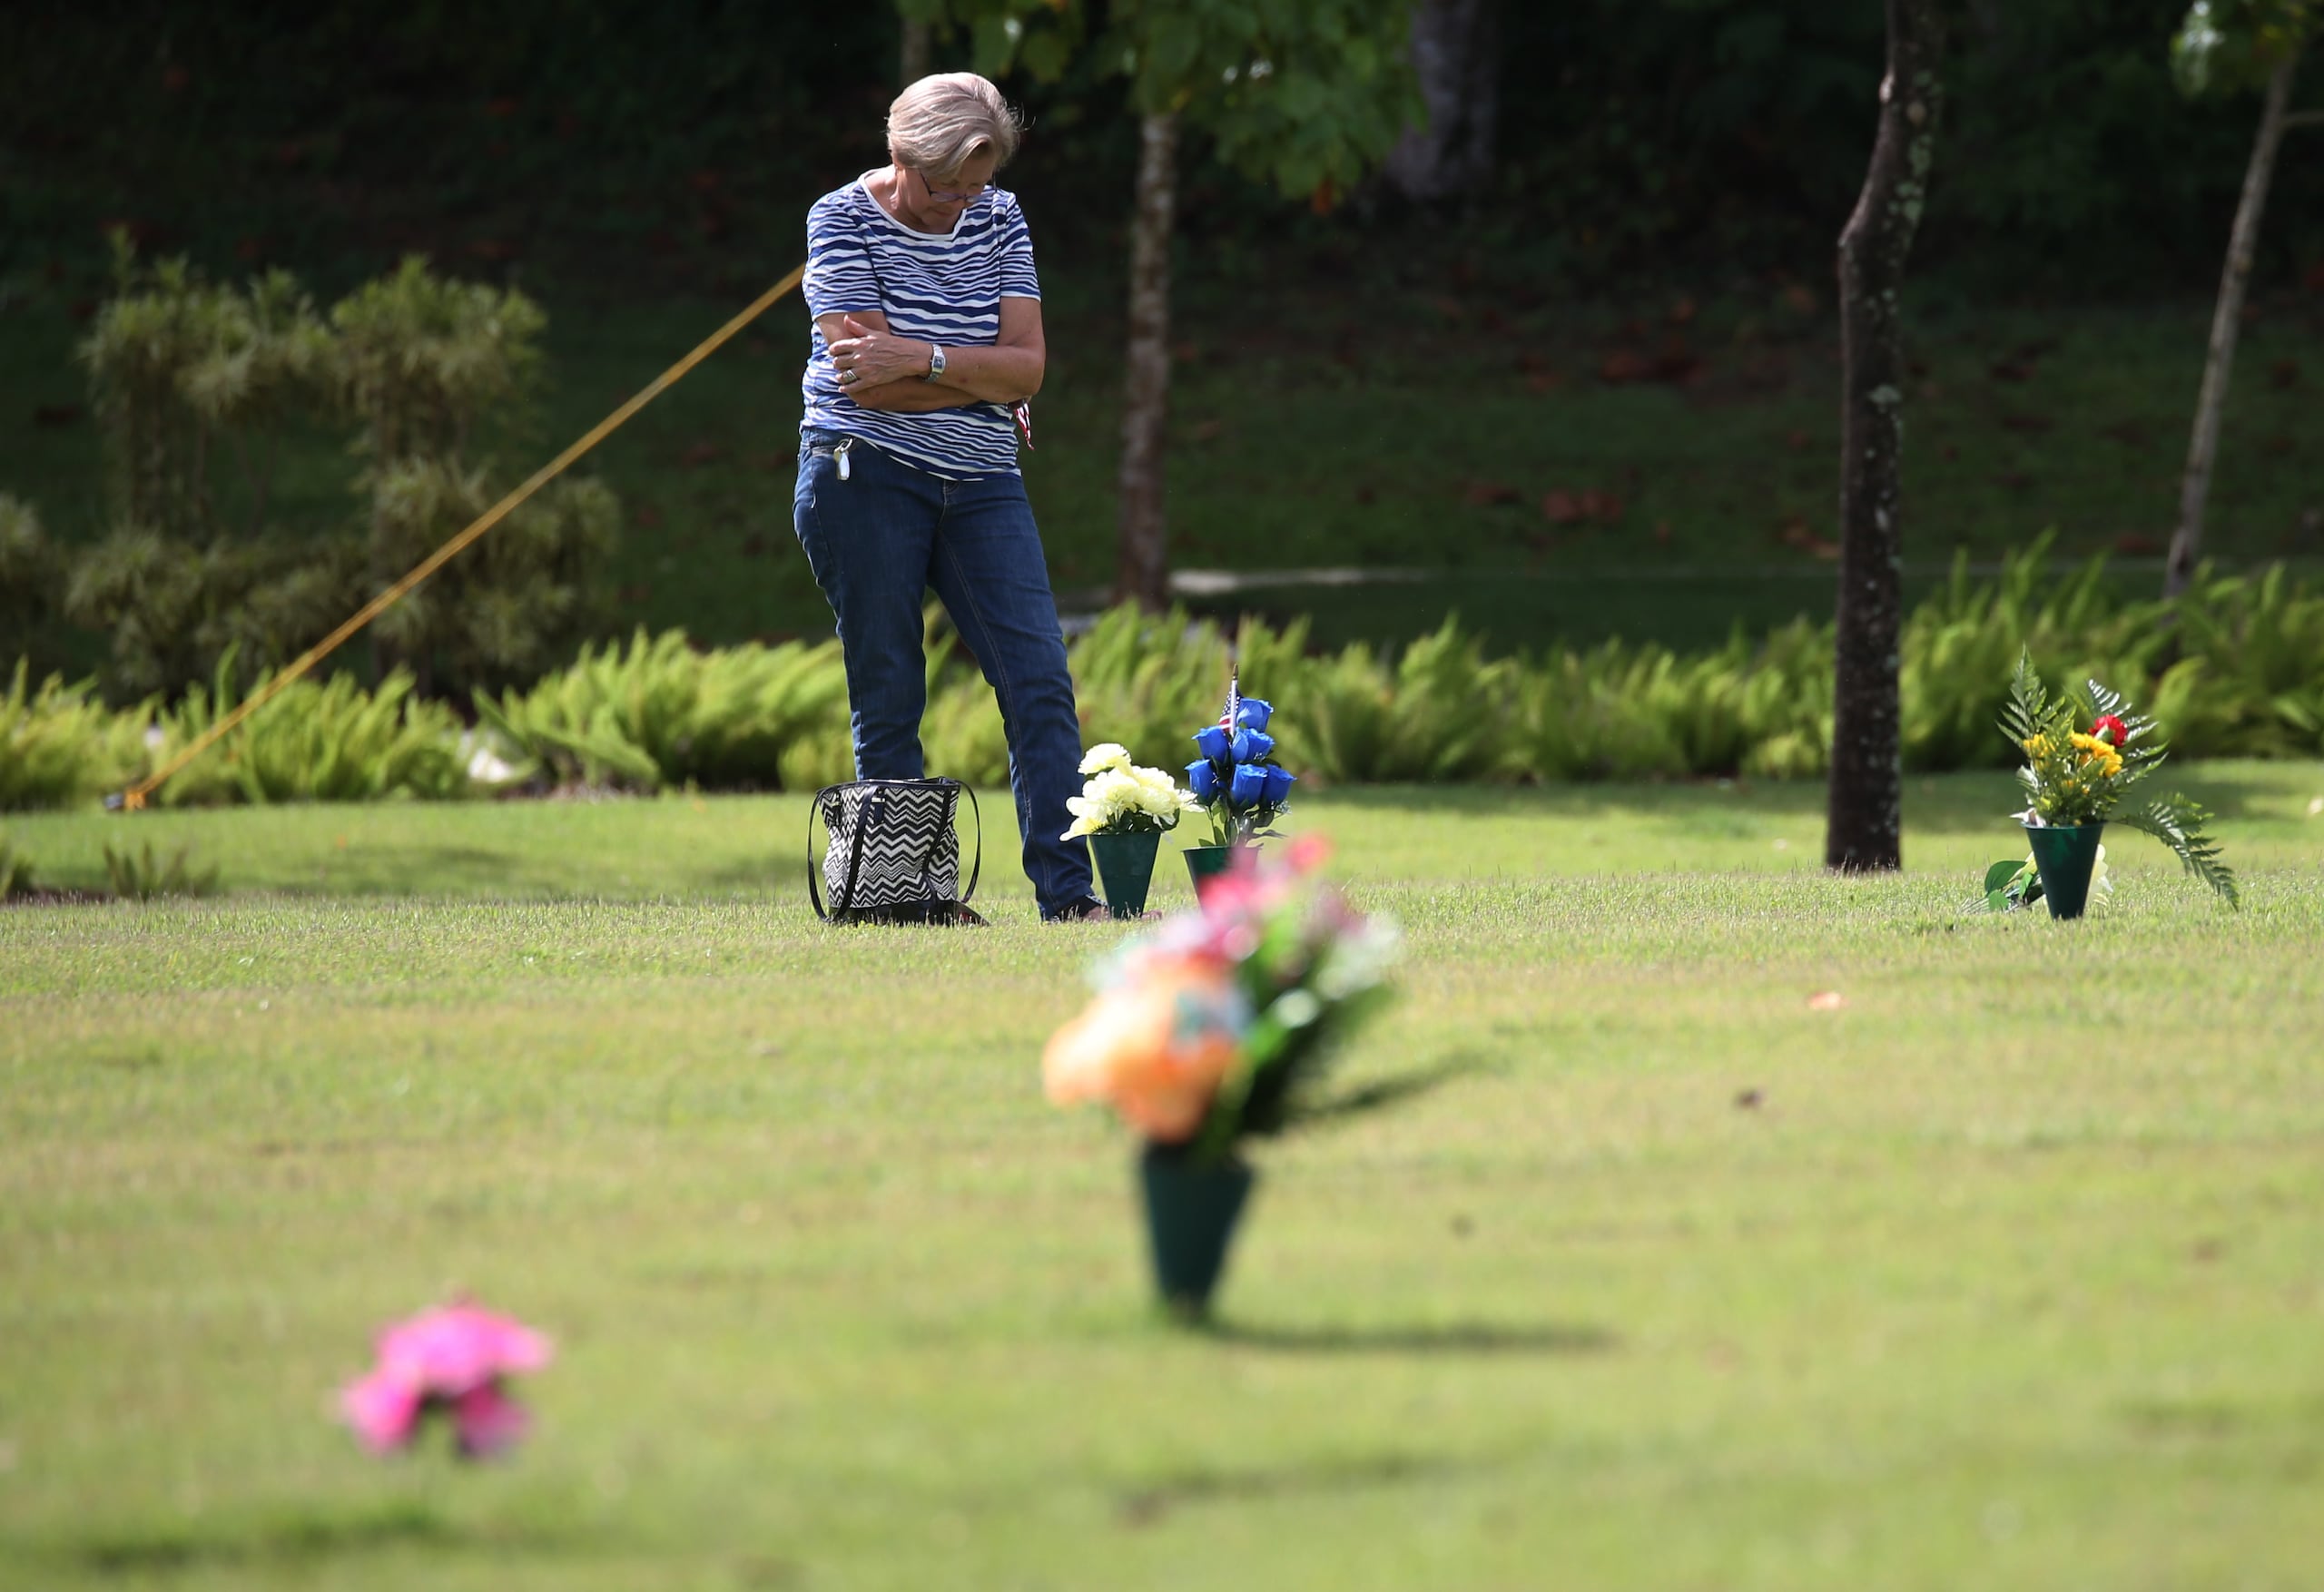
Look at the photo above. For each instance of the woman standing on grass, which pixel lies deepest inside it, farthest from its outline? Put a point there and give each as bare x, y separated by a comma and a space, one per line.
927, 334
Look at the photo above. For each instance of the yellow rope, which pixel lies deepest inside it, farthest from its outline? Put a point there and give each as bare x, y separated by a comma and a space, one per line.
134, 799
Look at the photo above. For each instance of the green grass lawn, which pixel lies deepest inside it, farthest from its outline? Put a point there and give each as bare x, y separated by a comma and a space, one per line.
2005, 1274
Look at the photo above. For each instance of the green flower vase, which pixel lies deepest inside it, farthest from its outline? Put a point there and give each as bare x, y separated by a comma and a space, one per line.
1205, 863
2065, 857
1125, 868
1191, 1209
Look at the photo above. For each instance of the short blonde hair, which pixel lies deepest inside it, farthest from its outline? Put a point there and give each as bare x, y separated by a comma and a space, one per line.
942, 123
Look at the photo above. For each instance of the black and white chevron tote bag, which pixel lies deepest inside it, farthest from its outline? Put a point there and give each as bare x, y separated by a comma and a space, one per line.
891, 854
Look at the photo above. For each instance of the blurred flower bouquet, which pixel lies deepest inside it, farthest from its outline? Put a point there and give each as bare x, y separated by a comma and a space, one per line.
2076, 780
1220, 1028
1235, 781
1123, 811
452, 1362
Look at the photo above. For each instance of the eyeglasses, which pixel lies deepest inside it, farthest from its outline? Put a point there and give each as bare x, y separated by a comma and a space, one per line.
947, 196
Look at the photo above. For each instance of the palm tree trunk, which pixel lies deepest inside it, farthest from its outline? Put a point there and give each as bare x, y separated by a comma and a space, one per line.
2202, 451
1143, 572
1864, 819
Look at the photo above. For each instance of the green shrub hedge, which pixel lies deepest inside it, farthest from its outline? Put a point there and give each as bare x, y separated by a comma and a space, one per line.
2235, 669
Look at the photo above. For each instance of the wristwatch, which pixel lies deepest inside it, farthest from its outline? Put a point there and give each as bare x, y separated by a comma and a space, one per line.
935, 364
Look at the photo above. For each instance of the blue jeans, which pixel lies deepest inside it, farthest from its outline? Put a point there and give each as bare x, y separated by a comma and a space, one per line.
877, 541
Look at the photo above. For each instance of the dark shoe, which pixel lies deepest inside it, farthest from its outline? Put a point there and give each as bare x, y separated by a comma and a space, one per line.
1090, 909
1087, 909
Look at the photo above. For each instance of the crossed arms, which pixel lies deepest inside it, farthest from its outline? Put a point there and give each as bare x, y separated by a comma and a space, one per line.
889, 370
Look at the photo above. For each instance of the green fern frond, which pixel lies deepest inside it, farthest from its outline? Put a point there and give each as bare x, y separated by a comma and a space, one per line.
2028, 711
2180, 824
2102, 699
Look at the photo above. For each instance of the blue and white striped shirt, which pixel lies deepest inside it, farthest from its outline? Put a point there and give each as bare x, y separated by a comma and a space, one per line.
942, 288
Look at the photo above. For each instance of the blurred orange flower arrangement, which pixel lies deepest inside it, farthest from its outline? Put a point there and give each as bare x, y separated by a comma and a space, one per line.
1155, 1049
1220, 1025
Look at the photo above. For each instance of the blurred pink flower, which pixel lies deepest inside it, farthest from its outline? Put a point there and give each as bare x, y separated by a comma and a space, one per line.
1256, 881
449, 1350
452, 1359
383, 1410
487, 1421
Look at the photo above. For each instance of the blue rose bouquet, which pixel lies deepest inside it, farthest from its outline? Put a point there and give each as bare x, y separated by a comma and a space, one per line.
1235, 780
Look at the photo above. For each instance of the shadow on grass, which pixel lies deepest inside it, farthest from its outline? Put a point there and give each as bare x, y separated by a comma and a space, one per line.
1460, 1338
1151, 1502
1143, 1506
288, 1541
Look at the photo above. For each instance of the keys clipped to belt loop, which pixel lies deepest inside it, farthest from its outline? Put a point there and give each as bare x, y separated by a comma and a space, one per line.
839, 454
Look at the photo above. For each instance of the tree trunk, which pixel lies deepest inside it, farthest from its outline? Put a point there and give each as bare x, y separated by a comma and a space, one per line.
1864, 819
2187, 541
916, 54
1456, 57
1145, 557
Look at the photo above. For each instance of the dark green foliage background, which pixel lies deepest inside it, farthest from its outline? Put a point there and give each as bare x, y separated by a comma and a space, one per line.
1367, 388
621, 137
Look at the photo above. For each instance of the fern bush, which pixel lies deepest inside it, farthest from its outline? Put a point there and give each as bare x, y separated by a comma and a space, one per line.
1440, 711
1960, 647
2233, 669
1631, 711
60, 746
660, 714
315, 741
2255, 647
1144, 680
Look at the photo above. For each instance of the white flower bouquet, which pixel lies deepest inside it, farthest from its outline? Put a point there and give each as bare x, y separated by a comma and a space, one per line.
1123, 799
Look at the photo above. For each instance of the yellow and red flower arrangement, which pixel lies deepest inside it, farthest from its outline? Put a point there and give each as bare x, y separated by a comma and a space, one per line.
2076, 780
